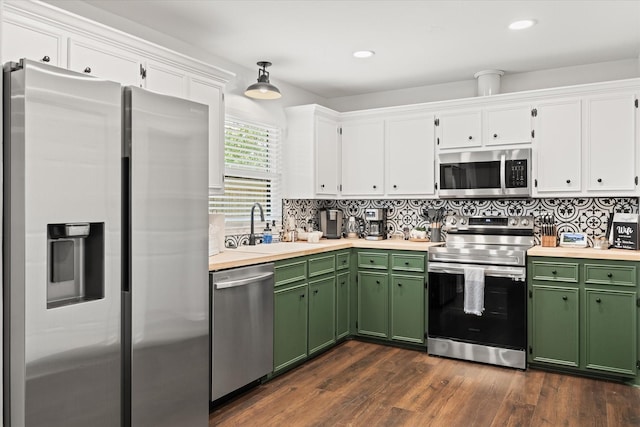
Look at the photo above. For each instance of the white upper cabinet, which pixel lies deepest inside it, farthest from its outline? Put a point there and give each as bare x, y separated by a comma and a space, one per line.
36, 41
557, 146
205, 91
507, 124
610, 141
459, 129
165, 79
410, 155
363, 157
327, 162
104, 61
311, 153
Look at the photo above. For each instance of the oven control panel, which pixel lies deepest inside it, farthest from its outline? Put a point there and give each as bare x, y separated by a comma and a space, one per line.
462, 222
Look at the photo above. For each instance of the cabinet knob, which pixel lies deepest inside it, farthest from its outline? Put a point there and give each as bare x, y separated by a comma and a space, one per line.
609, 275
46, 58
400, 284
315, 291
87, 70
377, 282
375, 186
568, 181
599, 179
554, 272
371, 261
564, 298
343, 283
301, 295
321, 185
470, 137
395, 186
598, 300
495, 135
406, 263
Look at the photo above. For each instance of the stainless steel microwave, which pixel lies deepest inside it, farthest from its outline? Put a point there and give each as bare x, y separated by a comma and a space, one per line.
477, 174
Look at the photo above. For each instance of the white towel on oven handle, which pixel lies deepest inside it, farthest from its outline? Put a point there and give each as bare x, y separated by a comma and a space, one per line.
474, 290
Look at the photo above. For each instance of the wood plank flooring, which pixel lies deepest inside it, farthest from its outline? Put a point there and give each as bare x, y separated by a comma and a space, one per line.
363, 384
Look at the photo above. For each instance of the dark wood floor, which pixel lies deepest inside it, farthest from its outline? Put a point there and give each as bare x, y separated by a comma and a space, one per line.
362, 384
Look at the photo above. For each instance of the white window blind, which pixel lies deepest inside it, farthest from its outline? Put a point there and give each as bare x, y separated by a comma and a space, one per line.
252, 161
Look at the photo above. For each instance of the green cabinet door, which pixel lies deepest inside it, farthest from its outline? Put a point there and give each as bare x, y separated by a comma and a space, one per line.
610, 331
407, 308
322, 313
373, 304
554, 320
290, 326
342, 304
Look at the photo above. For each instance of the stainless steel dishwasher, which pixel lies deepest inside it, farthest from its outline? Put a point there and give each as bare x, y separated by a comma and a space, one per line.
241, 327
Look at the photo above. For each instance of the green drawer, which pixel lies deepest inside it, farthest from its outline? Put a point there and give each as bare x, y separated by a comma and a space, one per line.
342, 260
373, 260
289, 272
324, 264
407, 262
603, 274
555, 271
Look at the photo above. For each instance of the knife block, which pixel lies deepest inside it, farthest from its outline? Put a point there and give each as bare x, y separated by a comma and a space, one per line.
549, 241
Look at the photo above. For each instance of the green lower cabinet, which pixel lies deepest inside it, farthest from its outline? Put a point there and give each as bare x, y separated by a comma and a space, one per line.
611, 331
373, 304
407, 308
342, 304
554, 332
322, 313
290, 326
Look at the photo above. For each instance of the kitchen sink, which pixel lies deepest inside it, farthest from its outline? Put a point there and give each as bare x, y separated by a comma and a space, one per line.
276, 248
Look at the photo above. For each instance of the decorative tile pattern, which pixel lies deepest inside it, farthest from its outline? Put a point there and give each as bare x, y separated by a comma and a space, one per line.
588, 215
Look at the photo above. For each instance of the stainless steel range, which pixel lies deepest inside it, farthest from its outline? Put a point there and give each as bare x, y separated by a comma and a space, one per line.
477, 290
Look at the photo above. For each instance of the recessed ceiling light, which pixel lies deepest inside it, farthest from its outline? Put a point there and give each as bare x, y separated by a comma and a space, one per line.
521, 25
363, 53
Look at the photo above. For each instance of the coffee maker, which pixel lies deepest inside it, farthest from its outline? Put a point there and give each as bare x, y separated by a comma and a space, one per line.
331, 223
377, 219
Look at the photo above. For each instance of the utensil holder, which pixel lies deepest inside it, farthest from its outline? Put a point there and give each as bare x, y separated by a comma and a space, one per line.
549, 241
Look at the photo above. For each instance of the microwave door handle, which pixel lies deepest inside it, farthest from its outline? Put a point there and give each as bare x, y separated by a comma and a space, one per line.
503, 171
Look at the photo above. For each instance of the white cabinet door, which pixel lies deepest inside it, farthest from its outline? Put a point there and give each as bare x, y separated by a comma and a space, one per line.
210, 93
32, 41
507, 124
363, 158
459, 130
107, 62
410, 155
558, 127
610, 142
163, 78
327, 156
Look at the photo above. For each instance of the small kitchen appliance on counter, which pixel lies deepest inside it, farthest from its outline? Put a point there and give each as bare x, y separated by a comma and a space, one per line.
377, 219
331, 223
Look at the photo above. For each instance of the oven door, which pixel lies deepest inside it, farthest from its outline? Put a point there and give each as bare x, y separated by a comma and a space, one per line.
503, 322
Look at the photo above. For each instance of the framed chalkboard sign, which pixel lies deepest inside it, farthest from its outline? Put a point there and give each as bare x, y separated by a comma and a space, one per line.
625, 231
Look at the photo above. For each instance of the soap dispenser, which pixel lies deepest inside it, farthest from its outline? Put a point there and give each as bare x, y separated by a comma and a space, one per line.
266, 235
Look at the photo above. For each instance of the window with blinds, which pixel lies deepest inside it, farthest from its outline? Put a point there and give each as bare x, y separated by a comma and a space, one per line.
252, 161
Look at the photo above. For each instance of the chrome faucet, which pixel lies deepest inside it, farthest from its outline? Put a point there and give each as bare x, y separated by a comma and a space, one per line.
252, 236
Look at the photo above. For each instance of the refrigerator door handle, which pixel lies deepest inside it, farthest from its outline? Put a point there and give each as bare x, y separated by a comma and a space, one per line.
242, 282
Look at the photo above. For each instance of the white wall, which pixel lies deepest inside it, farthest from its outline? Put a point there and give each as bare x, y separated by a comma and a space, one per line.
590, 73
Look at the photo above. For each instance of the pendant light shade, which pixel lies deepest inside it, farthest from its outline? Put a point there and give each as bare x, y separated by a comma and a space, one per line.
263, 89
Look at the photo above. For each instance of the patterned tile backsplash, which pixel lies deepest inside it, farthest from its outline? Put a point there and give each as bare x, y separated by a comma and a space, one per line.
588, 215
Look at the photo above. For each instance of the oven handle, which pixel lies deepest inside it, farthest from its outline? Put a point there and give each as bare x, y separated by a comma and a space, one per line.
515, 273
503, 169
512, 259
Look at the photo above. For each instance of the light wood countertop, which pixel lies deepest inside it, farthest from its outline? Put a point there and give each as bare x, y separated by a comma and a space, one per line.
258, 254
614, 254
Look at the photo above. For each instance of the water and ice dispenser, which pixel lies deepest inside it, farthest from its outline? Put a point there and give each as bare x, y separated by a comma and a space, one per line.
75, 263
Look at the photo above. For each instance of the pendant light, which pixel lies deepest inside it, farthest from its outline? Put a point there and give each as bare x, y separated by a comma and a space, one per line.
263, 89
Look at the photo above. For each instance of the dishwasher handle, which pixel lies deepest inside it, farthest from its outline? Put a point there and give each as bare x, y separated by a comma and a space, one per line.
242, 282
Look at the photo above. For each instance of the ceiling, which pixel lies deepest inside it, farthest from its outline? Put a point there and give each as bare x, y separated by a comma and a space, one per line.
417, 43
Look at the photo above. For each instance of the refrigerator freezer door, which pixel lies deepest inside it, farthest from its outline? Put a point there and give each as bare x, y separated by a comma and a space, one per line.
62, 165
166, 141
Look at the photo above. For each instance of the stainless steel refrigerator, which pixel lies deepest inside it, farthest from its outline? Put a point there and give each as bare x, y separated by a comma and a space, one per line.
105, 253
